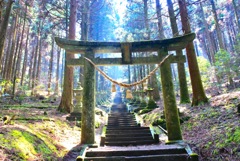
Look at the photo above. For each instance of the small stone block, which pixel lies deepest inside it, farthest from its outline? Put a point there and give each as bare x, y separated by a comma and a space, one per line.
102, 142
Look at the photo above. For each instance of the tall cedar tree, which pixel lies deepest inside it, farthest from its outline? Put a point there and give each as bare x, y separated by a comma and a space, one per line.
66, 103
3, 28
199, 95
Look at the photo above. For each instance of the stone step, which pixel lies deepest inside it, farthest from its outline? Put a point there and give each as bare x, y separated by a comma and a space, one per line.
122, 124
127, 135
147, 137
128, 131
175, 157
128, 128
134, 152
130, 125
122, 120
127, 143
123, 128
130, 120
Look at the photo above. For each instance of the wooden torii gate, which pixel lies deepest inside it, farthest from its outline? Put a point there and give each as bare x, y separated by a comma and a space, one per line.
89, 49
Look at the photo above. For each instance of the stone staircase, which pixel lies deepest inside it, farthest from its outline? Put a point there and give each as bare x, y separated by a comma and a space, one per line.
125, 140
123, 130
139, 153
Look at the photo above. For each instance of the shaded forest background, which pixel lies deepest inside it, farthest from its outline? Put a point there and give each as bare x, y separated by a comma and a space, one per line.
31, 61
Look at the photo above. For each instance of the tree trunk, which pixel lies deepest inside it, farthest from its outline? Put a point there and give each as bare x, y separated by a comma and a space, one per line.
8, 51
184, 95
218, 30
50, 68
207, 33
31, 68
11, 57
197, 87
67, 94
39, 51
25, 57
1, 9
19, 60
56, 91
3, 28
159, 17
34, 69
236, 13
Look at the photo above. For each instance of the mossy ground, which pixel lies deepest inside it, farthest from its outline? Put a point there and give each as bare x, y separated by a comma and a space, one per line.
212, 130
39, 132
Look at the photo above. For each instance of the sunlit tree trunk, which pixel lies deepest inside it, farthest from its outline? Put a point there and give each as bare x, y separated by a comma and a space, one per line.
3, 28
7, 53
34, 69
184, 95
19, 59
57, 71
207, 34
39, 63
13, 45
1, 9
25, 57
236, 13
197, 87
31, 67
50, 68
218, 30
159, 17
67, 94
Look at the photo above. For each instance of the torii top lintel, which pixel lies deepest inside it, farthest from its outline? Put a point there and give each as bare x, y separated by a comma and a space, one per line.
74, 47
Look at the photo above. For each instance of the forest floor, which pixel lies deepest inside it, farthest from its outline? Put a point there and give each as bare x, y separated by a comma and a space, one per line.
40, 132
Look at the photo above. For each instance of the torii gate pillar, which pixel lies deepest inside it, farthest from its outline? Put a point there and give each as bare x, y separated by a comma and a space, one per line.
170, 107
88, 109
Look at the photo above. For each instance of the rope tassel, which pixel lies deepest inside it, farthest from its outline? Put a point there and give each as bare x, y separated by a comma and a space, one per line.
129, 94
113, 88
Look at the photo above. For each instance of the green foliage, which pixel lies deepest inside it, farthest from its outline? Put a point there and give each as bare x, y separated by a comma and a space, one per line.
145, 110
205, 70
161, 122
97, 124
143, 103
151, 104
138, 109
224, 66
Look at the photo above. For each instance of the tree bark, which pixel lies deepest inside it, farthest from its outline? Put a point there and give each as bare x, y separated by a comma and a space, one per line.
38, 50
3, 28
56, 91
1, 9
67, 94
50, 68
207, 33
25, 57
35, 64
11, 57
159, 17
197, 87
218, 30
236, 13
8, 52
